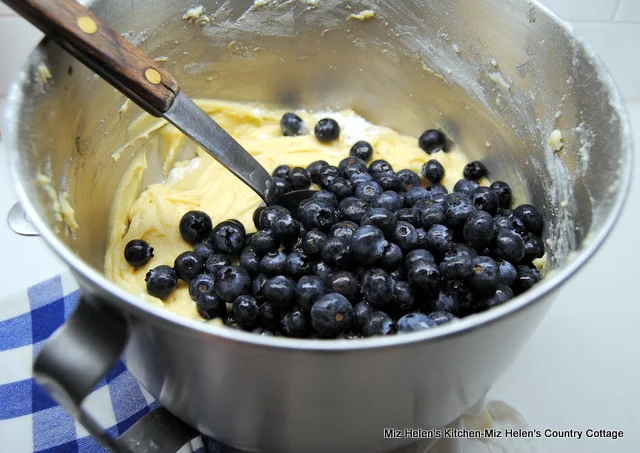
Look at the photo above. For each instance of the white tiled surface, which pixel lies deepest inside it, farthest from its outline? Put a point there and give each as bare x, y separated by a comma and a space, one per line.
584, 10
17, 39
628, 11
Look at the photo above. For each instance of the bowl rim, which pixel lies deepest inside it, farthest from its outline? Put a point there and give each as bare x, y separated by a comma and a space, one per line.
158, 315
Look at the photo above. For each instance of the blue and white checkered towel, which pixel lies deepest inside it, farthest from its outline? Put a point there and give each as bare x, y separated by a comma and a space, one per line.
30, 421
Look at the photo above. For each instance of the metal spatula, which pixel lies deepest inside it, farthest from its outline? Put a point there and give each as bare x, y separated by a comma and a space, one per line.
94, 43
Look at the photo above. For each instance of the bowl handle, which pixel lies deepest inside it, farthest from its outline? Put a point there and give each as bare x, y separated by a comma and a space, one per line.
77, 356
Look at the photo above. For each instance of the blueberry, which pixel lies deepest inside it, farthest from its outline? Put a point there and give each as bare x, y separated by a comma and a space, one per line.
297, 265
465, 186
256, 216
414, 322
327, 130
257, 286
360, 312
344, 229
530, 217
345, 283
328, 174
417, 256
441, 317
308, 289
285, 227
280, 291
422, 237
210, 306
461, 293
341, 187
456, 265
312, 242
503, 222
403, 196
195, 226
509, 246
408, 179
503, 191
479, 230
415, 195
368, 191
405, 236
316, 213
268, 214
295, 323
378, 323
427, 214
360, 177
403, 300
405, 215
437, 189
273, 263
231, 322
299, 179
457, 212
525, 279
138, 253
353, 209
433, 171
439, 239
269, 316
228, 238
444, 301
391, 257
327, 196
350, 165
381, 218
379, 166
250, 261
424, 276
161, 281
231, 282
281, 171
291, 125
367, 244
321, 270
387, 180
204, 250
432, 141
187, 265
486, 275
331, 315
377, 287
314, 169
201, 284
247, 312
485, 199
474, 170
501, 294
507, 271
362, 150
389, 200
533, 247
282, 185
264, 241
216, 262
335, 252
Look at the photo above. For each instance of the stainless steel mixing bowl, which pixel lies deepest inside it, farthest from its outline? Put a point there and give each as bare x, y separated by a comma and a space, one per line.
497, 75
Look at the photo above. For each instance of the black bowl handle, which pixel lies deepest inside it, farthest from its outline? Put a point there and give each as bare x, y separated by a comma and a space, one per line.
77, 356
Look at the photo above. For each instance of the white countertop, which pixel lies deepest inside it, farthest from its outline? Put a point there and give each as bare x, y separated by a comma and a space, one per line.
580, 369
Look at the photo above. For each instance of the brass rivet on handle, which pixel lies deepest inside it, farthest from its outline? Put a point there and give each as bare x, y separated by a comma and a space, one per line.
153, 76
87, 25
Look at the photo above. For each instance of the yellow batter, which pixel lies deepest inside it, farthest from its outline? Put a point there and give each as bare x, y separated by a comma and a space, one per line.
202, 184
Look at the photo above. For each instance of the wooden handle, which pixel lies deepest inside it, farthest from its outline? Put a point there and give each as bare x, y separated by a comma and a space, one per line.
103, 50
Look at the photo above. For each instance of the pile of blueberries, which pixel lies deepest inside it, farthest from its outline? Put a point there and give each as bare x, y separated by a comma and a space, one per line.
374, 252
